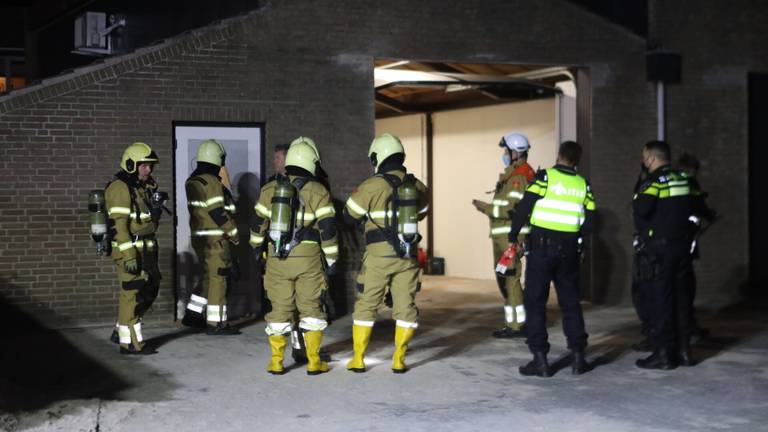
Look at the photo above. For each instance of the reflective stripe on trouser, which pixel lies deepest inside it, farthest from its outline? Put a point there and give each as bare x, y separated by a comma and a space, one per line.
514, 300
278, 328
216, 313
214, 257
137, 293
401, 274
197, 304
313, 324
514, 314
296, 284
129, 327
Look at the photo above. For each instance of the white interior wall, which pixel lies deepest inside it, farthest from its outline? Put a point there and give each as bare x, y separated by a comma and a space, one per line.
466, 164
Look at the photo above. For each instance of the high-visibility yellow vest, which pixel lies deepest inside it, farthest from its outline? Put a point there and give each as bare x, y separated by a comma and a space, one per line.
563, 203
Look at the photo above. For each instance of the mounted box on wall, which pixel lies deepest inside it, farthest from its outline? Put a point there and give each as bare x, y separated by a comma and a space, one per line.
92, 35
663, 67
88, 27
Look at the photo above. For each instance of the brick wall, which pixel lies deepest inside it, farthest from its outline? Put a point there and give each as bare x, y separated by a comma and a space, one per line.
304, 68
720, 44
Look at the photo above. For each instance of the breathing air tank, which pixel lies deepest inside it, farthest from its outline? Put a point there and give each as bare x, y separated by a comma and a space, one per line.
281, 220
97, 218
408, 216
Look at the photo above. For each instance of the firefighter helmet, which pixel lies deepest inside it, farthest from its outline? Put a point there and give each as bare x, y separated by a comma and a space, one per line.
301, 154
383, 147
310, 142
515, 141
211, 151
135, 154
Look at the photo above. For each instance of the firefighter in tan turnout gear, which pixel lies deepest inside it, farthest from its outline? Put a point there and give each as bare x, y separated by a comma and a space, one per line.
508, 192
133, 221
211, 208
390, 204
295, 216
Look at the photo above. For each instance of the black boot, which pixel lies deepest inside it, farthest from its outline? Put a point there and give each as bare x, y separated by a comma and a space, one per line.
508, 333
114, 337
133, 351
194, 320
299, 356
685, 357
660, 359
580, 365
537, 367
221, 330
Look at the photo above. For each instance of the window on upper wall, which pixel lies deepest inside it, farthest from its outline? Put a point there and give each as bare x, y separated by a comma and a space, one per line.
15, 84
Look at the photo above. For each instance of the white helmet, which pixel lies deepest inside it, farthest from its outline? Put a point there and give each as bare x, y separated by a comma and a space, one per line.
515, 141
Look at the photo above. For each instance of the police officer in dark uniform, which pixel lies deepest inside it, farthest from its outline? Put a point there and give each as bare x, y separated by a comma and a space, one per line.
560, 207
689, 165
640, 298
662, 207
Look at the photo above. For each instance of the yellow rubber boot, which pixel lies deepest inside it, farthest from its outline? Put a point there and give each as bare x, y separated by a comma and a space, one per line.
361, 335
315, 366
277, 343
402, 337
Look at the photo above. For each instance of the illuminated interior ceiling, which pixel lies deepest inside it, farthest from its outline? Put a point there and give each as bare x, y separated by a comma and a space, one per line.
406, 87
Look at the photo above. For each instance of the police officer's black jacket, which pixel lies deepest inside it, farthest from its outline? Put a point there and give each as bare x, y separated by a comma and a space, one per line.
699, 203
663, 205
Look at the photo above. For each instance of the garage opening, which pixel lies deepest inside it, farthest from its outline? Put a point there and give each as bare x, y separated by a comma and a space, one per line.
450, 118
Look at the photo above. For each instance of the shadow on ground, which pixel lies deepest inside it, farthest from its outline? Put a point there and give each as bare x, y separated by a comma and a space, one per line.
40, 366
730, 326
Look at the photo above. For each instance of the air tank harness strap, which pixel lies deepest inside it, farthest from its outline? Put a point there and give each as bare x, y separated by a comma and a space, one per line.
389, 230
302, 233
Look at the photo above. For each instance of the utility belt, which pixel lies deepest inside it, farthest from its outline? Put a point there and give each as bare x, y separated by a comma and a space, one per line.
657, 242
571, 242
306, 235
141, 242
375, 236
380, 236
544, 241
311, 235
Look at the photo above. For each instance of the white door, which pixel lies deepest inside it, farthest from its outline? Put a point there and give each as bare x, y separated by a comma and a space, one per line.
245, 165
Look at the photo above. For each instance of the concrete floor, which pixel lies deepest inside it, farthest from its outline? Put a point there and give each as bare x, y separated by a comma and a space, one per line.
462, 379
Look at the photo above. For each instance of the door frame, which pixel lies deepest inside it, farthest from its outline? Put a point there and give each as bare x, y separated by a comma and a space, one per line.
223, 124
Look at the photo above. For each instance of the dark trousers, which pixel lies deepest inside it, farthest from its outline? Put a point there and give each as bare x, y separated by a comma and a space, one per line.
553, 260
640, 296
687, 282
669, 298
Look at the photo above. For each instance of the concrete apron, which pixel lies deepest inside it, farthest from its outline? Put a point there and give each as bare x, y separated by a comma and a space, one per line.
461, 379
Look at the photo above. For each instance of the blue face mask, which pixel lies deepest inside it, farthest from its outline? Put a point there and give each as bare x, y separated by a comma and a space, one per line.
506, 159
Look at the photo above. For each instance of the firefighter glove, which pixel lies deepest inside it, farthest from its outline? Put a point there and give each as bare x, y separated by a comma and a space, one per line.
131, 266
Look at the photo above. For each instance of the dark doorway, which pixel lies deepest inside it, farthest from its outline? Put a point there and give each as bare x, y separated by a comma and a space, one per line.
758, 150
